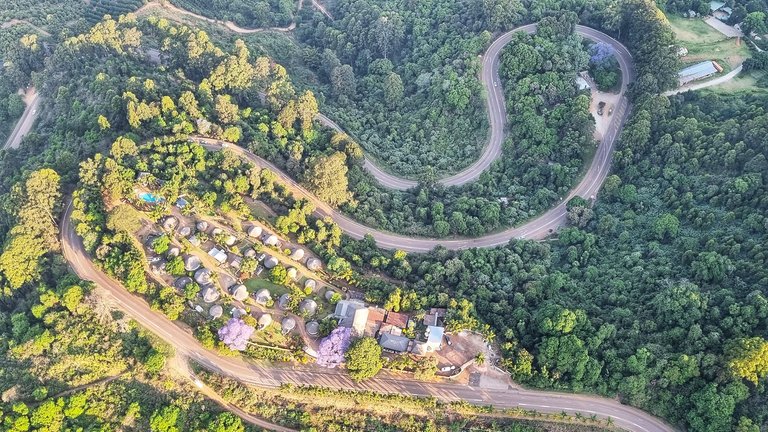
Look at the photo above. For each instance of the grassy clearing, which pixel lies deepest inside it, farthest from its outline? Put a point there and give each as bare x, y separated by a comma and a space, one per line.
694, 30
261, 211
705, 43
271, 336
255, 284
749, 82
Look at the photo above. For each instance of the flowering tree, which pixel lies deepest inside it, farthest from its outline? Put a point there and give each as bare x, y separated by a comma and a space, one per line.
235, 334
332, 348
599, 53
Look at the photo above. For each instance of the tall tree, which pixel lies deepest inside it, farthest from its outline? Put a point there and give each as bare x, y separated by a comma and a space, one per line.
327, 178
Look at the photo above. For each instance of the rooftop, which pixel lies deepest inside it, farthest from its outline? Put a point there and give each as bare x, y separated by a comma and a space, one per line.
397, 319
697, 71
394, 343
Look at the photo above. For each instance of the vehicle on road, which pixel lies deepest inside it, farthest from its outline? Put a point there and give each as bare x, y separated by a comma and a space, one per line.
447, 368
600, 108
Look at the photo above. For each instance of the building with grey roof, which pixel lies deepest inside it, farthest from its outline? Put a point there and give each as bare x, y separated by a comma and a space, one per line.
263, 296
239, 292
288, 324
210, 294
352, 314
216, 311
308, 307
191, 263
394, 343
698, 71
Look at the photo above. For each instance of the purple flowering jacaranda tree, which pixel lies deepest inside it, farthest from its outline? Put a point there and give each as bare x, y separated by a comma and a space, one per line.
235, 334
331, 351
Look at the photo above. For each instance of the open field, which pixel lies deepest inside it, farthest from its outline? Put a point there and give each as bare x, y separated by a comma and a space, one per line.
705, 43
694, 30
748, 82
257, 283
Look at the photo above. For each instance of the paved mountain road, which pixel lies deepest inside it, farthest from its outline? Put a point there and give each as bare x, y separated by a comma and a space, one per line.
497, 111
536, 229
273, 376
25, 122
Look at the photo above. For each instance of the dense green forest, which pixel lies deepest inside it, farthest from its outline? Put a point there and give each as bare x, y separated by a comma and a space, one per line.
245, 13
660, 298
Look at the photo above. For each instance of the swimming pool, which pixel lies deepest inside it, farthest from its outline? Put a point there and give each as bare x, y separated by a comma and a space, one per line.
150, 198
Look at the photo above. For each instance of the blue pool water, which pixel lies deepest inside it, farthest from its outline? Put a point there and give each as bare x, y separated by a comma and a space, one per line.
150, 198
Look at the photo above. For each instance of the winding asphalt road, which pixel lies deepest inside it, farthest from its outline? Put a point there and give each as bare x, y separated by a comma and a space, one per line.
497, 112
24, 124
536, 229
271, 376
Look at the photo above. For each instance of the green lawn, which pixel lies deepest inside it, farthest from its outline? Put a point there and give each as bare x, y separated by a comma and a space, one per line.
261, 211
749, 82
694, 30
271, 336
705, 43
257, 283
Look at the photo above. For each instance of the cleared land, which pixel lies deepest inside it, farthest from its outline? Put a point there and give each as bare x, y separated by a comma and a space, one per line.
705, 43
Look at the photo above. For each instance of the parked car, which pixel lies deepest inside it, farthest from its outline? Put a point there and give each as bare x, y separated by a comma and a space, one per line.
447, 368
610, 110
448, 340
259, 270
261, 257
600, 107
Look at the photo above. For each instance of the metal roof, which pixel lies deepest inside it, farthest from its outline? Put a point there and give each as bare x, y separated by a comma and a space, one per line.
394, 343
715, 5
697, 71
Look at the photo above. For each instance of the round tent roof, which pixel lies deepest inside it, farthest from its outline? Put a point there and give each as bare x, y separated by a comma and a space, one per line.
314, 264
216, 311
202, 226
262, 296
170, 222
250, 253
239, 292
217, 230
329, 294
308, 307
182, 282
210, 294
203, 276
313, 328
292, 273
310, 283
265, 320
288, 324
297, 254
173, 252
254, 231
238, 312
270, 262
230, 240
271, 240
185, 231
191, 263
282, 303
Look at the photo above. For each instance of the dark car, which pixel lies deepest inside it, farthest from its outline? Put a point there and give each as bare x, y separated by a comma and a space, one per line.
600, 107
